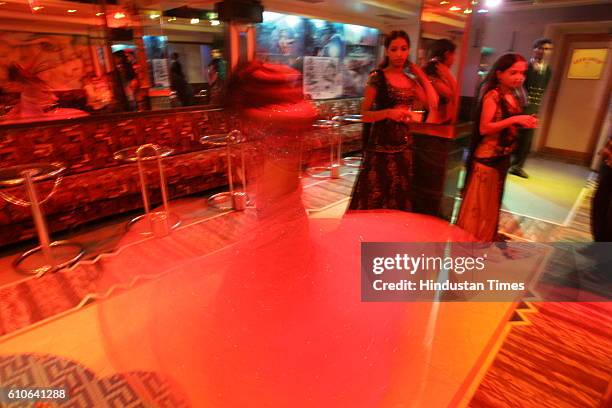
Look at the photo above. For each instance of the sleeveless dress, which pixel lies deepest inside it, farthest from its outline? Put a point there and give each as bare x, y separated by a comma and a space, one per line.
482, 200
385, 179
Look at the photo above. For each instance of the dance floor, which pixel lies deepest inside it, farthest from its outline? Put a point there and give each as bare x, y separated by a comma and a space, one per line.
550, 193
274, 319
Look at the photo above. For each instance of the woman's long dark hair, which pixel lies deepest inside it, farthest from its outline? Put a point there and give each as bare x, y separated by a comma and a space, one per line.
438, 55
490, 82
393, 35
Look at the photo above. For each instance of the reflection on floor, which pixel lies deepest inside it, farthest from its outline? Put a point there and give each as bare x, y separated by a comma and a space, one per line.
557, 355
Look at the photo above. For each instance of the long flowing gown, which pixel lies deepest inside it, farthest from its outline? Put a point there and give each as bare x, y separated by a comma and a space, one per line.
479, 213
385, 179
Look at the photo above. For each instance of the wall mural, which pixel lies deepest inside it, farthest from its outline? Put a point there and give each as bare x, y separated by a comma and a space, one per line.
61, 61
334, 58
48, 76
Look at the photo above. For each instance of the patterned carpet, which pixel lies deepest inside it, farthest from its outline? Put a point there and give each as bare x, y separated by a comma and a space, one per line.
83, 388
559, 359
32, 300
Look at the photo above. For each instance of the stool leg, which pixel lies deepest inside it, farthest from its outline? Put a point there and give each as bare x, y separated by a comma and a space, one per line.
243, 172
39, 221
143, 190
164, 192
339, 134
230, 177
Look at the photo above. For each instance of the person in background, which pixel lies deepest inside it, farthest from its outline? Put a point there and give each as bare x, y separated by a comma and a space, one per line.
536, 82
498, 118
124, 76
601, 208
391, 96
216, 81
442, 79
97, 90
179, 83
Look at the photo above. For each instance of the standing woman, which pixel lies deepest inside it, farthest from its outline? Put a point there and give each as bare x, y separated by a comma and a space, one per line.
390, 98
438, 69
498, 118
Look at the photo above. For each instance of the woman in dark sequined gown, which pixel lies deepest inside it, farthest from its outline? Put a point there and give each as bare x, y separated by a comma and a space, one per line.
390, 99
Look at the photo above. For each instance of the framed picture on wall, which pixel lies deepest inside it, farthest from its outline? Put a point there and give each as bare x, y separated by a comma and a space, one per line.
587, 63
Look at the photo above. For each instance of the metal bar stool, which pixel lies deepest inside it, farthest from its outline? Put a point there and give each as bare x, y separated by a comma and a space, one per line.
159, 223
350, 161
48, 256
229, 200
334, 158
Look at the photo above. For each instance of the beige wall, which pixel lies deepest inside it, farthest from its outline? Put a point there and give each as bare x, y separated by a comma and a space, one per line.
577, 105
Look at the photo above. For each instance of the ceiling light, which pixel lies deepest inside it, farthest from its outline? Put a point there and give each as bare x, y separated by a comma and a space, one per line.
195, 20
36, 8
443, 2
492, 3
467, 11
214, 22
119, 15
483, 11
72, 11
154, 16
171, 19
455, 8
99, 14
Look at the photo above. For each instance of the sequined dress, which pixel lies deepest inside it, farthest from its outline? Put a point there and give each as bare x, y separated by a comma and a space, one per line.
385, 179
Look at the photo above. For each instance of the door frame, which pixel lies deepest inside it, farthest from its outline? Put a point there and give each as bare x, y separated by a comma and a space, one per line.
562, 67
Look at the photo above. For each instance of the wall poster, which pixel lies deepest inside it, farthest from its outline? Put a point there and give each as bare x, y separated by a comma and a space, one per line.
587, 63
322, 77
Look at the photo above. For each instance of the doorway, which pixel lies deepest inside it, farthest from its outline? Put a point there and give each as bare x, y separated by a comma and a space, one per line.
577, 110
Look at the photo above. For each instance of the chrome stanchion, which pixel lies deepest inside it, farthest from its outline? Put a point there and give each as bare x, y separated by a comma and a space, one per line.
55, 255
351, 161
160, 223
334, 162
235, 200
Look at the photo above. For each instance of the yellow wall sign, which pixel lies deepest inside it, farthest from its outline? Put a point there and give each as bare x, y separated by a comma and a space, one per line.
587, 63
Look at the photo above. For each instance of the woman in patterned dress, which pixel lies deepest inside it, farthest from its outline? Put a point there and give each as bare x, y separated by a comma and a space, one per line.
498, 118
391, 96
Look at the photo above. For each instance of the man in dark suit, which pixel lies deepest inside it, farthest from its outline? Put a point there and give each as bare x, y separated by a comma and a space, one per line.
601, 207
537, 78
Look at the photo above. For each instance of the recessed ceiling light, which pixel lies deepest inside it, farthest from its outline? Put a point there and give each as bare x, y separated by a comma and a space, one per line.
119, 15
483, 11
443, 2
171, 19
37, 8
455, 8
467, 11
154, 16
99, 14
72, 11
492, 3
